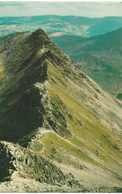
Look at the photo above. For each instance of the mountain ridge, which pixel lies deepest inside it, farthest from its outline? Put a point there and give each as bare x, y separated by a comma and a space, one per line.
66, 126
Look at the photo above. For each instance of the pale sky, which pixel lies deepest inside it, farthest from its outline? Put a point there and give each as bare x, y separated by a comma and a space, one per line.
86, 9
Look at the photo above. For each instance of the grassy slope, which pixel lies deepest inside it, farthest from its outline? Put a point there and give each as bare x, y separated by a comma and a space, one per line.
91, 142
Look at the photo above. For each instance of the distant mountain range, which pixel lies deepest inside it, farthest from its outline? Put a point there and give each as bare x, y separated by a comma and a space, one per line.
70, 25
59, 131
99, 56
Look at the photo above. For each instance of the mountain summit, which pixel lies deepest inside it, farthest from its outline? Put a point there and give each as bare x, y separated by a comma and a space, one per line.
59, 130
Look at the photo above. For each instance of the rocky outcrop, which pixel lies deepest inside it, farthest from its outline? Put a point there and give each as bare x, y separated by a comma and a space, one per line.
31, 165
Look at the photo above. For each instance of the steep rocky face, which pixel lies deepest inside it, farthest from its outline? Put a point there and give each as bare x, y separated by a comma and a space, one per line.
62, 128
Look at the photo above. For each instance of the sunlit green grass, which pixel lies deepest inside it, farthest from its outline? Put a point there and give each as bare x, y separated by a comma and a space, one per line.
87, 133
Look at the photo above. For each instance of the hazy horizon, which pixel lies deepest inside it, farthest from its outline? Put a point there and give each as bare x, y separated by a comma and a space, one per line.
57, 15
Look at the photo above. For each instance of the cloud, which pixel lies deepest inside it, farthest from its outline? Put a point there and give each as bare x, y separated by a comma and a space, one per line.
6, 4
87, 9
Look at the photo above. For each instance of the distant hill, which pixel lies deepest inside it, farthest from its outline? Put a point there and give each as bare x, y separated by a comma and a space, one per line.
99, 56
71, 25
